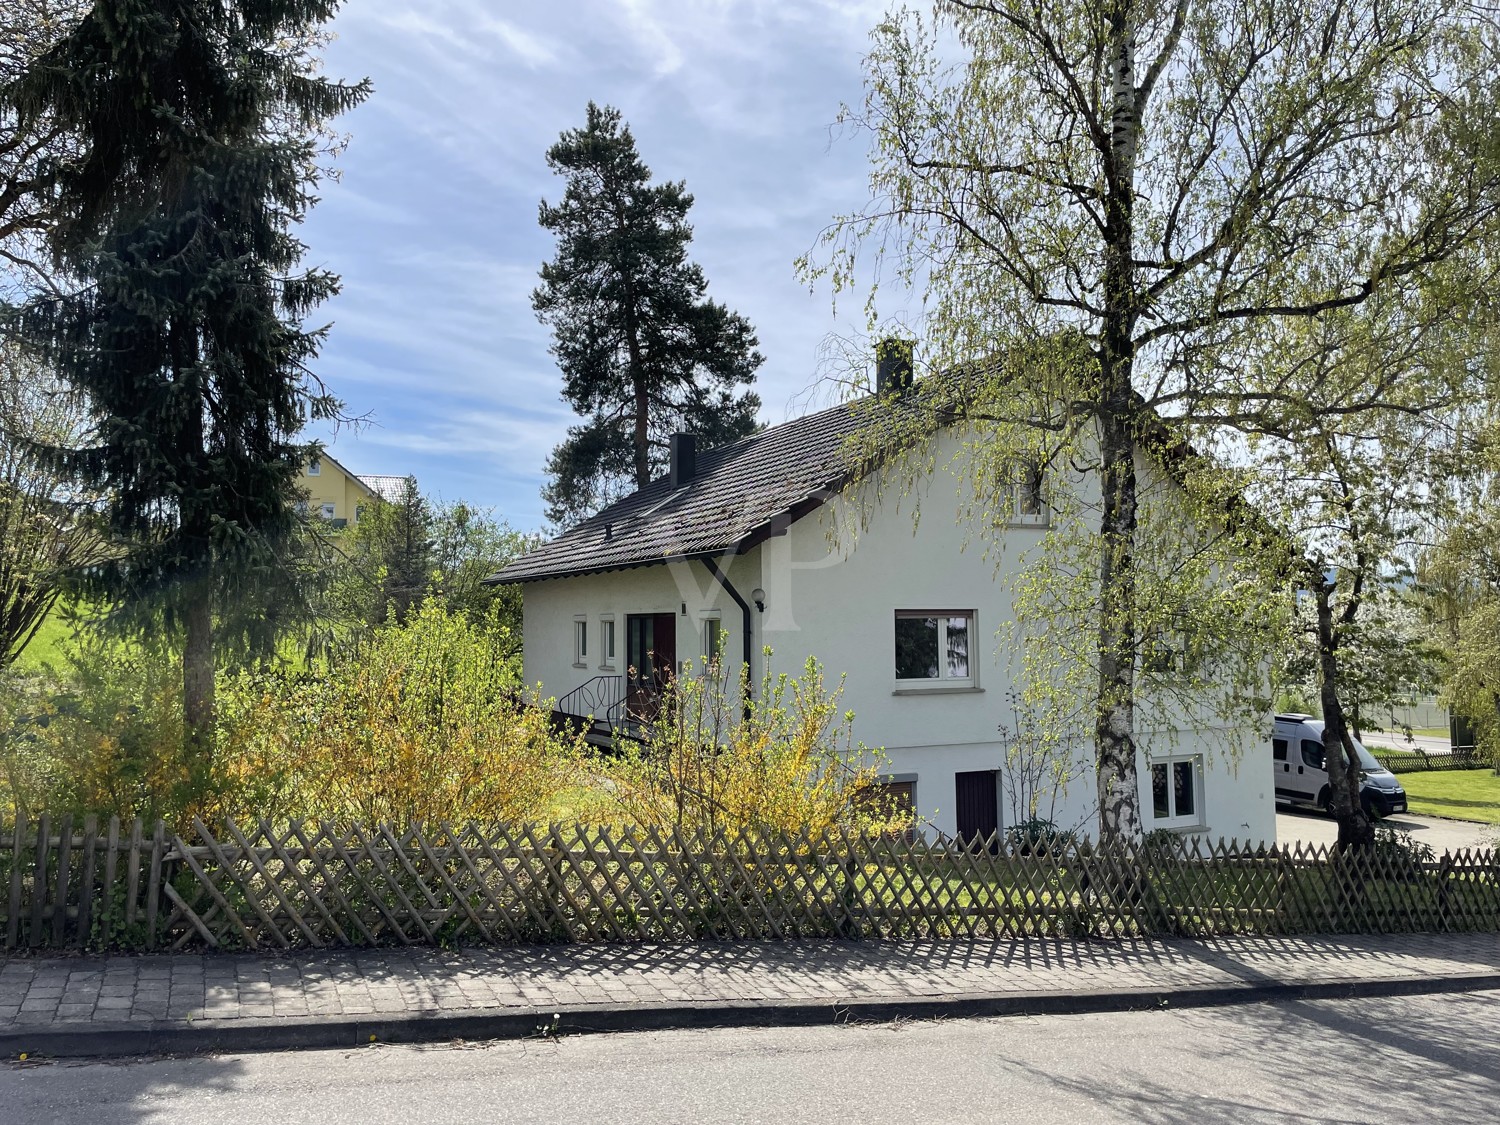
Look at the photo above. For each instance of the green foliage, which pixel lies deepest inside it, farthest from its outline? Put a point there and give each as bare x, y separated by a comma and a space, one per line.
643, 352
100, 733
401, 553
423, 720
1387, 657
1460, 579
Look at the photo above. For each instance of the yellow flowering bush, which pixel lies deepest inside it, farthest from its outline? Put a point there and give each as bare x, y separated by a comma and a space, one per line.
424, 722
779, 759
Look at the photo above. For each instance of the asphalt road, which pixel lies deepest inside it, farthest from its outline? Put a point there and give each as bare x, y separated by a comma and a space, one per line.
1434, 1058
1438, 833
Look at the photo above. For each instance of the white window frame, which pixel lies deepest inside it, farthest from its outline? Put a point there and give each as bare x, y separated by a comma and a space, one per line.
943, 681
315, 467
607, 642
711, 623
1173, 819
328, 511
302, 507
1024, 477
580, 642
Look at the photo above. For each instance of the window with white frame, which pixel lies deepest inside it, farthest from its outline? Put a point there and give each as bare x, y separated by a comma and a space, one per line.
314, 468
934, 648
713, 637
607, 642
580, 641
327, 511
1177, 791
1026, 502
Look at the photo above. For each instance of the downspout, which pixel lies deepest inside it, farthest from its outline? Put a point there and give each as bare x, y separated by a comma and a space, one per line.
748, 622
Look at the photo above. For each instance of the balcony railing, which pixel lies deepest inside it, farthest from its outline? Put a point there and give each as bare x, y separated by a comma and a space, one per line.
598, 707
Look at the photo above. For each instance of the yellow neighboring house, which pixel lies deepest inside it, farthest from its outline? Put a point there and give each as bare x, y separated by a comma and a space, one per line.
334, 493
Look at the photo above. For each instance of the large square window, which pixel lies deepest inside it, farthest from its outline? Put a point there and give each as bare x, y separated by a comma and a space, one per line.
933, 648
1176, 791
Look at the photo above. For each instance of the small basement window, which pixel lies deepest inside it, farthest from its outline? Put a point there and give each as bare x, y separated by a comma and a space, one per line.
933, 648
580, 641
1177, 792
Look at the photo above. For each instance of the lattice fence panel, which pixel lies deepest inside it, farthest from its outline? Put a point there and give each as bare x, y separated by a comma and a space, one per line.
288, 886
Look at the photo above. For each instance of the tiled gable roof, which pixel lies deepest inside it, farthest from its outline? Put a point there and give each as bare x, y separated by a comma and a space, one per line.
388, 488
739, 490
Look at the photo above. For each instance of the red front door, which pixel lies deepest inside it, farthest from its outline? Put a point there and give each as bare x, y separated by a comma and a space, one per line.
651, 656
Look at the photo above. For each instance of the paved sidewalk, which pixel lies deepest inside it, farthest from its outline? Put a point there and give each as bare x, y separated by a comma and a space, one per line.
140, 1005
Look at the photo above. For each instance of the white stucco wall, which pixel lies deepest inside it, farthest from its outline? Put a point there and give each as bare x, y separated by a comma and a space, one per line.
685, 590
833, 594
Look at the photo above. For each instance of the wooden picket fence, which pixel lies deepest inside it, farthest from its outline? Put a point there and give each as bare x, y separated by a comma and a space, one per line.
314, 885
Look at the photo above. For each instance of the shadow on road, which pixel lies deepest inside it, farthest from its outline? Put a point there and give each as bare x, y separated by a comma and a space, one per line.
113, 1091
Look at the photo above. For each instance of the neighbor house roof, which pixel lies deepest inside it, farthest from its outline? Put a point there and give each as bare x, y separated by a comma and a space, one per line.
388, 488
738, 495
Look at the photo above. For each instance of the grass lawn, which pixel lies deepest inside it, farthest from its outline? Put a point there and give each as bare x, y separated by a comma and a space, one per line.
46, 646
1460, 794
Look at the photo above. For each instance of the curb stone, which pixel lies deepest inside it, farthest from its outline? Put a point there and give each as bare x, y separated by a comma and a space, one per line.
177, 1037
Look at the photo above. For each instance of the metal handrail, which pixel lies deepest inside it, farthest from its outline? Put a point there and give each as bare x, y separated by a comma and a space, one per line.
602, 699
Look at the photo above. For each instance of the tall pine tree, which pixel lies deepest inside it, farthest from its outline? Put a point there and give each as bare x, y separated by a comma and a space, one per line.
194, 157
643, 351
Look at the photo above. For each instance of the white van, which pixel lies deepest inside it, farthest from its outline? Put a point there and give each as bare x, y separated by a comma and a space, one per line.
1301, 779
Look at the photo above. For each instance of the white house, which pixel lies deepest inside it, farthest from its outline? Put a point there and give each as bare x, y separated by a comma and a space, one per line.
734, 546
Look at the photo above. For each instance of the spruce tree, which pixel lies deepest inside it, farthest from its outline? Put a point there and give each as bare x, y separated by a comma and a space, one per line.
193, 155
643, 351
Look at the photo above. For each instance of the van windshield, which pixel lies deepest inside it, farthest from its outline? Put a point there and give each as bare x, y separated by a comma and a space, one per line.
1367, 760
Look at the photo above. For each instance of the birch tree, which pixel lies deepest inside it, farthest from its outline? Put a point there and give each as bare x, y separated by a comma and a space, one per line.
1161, 180
1364, 496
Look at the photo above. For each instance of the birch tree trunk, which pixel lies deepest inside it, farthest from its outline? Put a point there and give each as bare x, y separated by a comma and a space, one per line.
1115, 750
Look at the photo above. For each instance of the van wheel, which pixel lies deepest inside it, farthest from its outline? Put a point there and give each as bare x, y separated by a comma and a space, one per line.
1325, 801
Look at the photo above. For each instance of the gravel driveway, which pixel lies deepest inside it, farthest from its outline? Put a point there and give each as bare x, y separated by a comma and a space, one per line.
1436, 832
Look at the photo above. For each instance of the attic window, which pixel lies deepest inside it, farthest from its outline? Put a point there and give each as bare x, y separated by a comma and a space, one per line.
314, 467
1025, 501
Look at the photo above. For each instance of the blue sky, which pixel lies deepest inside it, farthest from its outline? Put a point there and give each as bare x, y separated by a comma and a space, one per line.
433, 224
